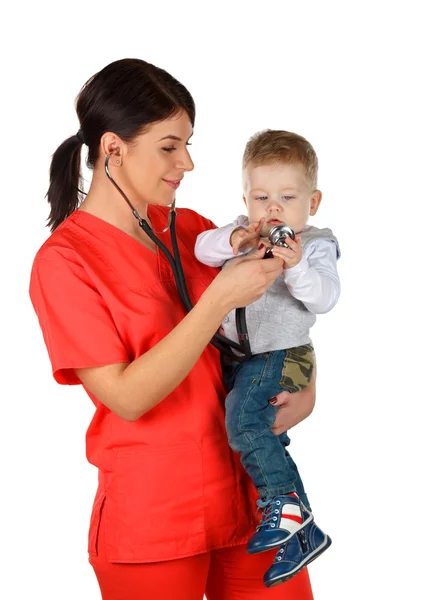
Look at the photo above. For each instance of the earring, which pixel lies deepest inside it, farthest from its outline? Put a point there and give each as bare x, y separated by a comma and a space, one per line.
117, 151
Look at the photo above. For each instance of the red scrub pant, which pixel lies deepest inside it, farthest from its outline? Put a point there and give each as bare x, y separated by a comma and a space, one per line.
225, 574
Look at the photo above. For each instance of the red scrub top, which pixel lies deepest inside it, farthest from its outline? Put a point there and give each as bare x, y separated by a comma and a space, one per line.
169, 485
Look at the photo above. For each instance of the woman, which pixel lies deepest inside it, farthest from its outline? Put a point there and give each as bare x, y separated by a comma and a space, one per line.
174, 508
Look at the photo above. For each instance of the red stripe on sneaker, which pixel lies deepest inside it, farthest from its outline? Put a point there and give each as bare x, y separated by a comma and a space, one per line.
293, 518
296, 518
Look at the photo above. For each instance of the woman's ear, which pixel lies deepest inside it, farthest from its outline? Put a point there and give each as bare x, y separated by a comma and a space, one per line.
112, 144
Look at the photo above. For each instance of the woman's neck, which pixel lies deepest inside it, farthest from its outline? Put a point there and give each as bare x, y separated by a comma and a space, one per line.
105, 201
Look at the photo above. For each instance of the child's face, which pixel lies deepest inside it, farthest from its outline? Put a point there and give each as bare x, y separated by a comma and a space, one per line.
281, 193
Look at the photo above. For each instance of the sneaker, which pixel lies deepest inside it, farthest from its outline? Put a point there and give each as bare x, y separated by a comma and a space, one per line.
282, 517
296, 554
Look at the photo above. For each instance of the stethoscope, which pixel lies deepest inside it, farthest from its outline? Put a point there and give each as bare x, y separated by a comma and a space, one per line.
226, 346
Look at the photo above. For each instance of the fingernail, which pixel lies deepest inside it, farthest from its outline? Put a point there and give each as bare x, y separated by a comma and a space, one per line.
273, 400
261, 246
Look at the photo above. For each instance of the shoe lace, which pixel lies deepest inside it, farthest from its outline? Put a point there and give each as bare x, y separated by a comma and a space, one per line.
270, 512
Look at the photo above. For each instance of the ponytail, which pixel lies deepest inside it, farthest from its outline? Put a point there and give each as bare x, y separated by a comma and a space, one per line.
64, 193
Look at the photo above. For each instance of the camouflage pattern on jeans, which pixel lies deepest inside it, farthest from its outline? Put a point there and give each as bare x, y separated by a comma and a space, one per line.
297, 368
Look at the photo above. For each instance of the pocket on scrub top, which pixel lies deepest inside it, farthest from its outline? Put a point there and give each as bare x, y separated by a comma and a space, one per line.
154, 498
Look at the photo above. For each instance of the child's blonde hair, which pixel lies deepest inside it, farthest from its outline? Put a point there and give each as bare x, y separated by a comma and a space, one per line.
272, 146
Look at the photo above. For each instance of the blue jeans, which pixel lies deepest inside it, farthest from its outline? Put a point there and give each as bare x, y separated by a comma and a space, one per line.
249, 416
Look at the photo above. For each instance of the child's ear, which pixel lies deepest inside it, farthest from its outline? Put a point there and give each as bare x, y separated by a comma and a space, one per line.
315, 202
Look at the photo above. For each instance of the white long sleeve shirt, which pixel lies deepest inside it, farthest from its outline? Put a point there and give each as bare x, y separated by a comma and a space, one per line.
283, 316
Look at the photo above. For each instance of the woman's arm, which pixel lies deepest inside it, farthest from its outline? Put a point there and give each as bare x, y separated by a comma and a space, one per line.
295, 407
131, 390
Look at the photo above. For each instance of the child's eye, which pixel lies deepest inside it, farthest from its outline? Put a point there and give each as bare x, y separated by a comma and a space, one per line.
262, 198
288, 198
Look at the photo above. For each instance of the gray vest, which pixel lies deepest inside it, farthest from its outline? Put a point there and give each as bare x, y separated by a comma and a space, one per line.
278, 321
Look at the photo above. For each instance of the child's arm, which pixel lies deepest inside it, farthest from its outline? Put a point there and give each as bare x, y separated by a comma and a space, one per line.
213, 247
314, 279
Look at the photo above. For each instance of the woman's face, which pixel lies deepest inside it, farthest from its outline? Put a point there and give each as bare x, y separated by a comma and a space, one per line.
153, 166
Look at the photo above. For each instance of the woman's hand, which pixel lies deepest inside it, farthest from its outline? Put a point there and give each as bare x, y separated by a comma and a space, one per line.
244, 280
295, 407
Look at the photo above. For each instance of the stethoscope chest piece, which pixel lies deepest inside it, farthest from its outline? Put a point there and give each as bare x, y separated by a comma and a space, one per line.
279, 233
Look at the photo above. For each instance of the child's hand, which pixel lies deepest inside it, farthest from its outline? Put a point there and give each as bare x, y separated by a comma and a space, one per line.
247, 237
292, 255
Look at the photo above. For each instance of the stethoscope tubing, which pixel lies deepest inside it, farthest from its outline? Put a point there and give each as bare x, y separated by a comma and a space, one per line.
223, 344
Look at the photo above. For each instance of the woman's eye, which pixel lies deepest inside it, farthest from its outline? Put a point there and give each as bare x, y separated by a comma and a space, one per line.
169, 149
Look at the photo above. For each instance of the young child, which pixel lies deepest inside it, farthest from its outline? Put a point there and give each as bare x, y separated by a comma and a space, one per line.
280, 187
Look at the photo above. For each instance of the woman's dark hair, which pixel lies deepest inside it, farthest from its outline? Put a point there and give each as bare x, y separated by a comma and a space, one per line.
125, 97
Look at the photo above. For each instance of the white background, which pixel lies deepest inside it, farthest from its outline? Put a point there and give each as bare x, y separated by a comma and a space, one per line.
346, 75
